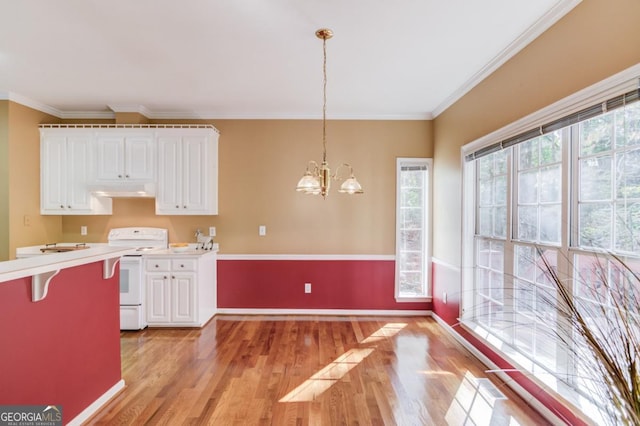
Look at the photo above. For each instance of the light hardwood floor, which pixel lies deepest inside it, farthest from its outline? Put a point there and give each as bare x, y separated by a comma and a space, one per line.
263, 370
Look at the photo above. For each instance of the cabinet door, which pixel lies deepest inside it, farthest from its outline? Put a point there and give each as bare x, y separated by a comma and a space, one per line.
53, 190
183, 306
139, 158
158, 298
169, 195
110, 157
78, 196
64, 173
195, 160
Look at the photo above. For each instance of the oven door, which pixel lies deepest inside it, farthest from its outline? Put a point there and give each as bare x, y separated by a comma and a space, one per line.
131, 280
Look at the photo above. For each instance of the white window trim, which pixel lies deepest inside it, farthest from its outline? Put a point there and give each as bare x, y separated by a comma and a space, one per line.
620, 83
429, 227
617, 84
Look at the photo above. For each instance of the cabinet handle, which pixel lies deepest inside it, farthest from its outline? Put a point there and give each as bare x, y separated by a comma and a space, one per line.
127, 176
182, 266
68, 207
164, 277
157, 266
61, 206
173, 277
120, 176
184, 207
177, 207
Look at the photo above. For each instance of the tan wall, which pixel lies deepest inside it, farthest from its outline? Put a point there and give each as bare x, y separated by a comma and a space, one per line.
594, 41
260, 164
4, 180
26, 225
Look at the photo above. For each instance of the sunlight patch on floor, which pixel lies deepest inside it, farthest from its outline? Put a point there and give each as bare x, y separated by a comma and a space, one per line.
325, 378
390, 329
474, 402
436, 373
336, 370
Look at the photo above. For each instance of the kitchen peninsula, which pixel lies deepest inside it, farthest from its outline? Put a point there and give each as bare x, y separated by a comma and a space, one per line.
59, 324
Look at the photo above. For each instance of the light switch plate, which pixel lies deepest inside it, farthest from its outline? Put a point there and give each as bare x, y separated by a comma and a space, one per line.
212, 231
262, 230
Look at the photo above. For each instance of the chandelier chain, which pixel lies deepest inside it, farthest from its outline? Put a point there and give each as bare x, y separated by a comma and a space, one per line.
317, 178
324, 99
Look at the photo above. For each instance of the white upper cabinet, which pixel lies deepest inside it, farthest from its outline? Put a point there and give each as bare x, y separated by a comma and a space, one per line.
178, 164
125, 155
64, 174
187, 172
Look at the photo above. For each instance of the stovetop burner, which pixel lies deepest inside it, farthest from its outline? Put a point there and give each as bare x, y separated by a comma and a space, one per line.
55, 248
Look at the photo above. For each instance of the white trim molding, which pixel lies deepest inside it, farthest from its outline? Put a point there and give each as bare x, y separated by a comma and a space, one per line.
320, 257
331, 312
445, 264
523, 393
617, 84
97, 404
534, 31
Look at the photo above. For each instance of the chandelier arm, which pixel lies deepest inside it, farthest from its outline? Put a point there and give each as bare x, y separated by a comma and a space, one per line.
348, 166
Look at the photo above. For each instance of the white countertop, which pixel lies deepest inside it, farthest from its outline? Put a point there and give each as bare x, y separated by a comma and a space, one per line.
35, 250
20, 268
190, 251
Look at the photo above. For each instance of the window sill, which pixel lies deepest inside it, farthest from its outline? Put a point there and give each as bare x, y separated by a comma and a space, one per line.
406, 299
541, 377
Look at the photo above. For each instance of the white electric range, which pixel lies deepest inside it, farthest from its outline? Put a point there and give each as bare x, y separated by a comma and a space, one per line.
132, 294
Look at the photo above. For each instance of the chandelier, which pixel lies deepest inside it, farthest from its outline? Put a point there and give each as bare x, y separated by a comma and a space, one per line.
317, 178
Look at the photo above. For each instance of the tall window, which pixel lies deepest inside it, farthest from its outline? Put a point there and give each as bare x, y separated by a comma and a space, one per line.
609, 181
561, 199
413, 236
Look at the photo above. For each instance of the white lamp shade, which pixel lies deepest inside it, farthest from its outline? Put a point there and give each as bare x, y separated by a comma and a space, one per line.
351, 186
309, 184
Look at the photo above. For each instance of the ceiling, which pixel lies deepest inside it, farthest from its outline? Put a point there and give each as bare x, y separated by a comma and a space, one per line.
408, 59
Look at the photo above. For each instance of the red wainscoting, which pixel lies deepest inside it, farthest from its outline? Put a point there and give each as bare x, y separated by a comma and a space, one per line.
335, 284
446, 278
65, 349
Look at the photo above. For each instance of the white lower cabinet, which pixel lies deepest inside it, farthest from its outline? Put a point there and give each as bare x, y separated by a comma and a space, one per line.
181, 289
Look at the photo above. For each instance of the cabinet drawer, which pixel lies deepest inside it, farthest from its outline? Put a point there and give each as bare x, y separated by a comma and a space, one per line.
163, 265
183, 265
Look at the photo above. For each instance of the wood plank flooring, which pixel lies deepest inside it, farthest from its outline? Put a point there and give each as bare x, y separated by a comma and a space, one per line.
266, 370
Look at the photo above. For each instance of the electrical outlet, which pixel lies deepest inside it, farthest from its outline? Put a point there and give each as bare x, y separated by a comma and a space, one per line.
212, 231
27, 220
307, 287
444, 297
83, 230
262, 230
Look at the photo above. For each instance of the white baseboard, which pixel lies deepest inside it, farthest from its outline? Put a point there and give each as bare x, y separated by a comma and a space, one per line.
97, 404
355, 312
509, 381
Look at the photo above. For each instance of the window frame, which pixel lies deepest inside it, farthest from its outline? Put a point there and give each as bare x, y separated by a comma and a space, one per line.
427, 246
568, 248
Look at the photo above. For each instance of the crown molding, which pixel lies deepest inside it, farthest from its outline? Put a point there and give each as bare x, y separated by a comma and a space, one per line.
197, 115
38, 106
534, 31
106, 115
140, 109
23, 100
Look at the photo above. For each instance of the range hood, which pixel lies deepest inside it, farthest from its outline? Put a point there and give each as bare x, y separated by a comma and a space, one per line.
124, 190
